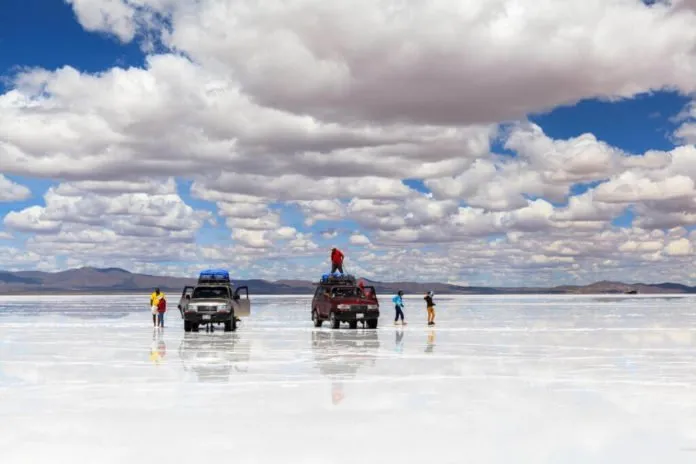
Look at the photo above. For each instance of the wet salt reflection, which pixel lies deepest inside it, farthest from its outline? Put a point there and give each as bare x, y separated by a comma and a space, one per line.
525, 380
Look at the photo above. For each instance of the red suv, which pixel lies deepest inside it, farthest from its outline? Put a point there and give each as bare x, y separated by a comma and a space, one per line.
340, 299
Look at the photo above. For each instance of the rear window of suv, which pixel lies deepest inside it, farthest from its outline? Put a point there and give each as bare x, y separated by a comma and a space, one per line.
211, 292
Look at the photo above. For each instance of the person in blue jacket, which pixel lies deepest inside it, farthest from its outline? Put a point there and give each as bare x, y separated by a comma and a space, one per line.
399, 305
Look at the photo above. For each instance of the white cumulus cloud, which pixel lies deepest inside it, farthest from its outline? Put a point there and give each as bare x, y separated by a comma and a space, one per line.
261, 134
11, 191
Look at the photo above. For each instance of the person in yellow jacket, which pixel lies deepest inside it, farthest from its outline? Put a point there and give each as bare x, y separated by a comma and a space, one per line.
155, 297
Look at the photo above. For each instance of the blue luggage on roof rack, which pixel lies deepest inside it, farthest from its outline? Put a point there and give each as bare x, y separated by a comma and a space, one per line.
214, 275
337, 278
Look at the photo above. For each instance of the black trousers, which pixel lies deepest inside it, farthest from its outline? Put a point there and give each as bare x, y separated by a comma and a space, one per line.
335, 266
399, 313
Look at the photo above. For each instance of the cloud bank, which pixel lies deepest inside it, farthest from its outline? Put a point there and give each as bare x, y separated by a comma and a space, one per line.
396, 129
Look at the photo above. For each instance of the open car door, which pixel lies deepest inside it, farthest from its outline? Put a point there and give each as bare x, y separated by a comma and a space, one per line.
325, 302
371, 292
242, 302
183, 302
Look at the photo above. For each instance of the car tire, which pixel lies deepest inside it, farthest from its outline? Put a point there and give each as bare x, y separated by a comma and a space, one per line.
229, 326
194, 327
187, 326
372, 324
335, 323
315, 319
353, 325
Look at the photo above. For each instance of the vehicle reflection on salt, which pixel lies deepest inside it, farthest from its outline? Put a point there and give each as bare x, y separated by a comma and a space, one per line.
213, 357
339, 355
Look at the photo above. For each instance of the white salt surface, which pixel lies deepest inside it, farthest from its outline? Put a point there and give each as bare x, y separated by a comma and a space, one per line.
535, 379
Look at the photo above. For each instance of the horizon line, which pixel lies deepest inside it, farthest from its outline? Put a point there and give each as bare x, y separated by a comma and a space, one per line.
435, 282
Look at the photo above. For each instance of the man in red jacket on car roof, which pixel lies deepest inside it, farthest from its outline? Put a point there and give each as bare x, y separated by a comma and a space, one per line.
336, 260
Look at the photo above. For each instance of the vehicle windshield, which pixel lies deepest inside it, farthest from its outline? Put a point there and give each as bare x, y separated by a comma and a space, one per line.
346, 292
211, 292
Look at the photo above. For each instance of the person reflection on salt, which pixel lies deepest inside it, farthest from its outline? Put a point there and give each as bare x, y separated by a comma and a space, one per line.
158, 348
430, 345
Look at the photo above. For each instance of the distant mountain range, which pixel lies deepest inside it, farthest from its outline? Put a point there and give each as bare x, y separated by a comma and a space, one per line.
115, 280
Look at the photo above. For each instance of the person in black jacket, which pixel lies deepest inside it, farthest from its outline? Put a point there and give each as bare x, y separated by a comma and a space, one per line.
431, 307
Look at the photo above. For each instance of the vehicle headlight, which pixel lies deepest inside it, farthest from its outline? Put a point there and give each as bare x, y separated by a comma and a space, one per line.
193, 308
372, 306
343, 306
222, 307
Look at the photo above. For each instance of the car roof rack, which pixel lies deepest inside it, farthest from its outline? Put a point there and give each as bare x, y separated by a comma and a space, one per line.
338, 279
214, 276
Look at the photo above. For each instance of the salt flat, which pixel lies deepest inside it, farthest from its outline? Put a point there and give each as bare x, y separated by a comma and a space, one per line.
532, 379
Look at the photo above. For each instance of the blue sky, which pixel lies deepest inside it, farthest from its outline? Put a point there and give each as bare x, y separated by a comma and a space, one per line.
46, 34
50, 35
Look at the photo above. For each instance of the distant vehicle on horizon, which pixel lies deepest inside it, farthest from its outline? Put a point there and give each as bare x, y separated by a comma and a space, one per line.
213, 301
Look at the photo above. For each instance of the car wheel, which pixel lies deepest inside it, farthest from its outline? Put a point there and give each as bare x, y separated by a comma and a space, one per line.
372, 324
335, 323
353, 325
194, 327
228, 326
315, 319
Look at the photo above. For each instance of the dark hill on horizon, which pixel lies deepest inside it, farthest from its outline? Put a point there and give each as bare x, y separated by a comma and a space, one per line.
116, 280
